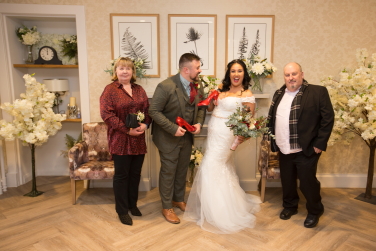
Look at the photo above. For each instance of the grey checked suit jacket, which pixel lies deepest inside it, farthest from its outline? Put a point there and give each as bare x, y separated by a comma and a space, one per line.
169, 102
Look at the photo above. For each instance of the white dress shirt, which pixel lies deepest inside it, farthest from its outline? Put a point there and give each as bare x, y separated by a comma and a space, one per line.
282, 129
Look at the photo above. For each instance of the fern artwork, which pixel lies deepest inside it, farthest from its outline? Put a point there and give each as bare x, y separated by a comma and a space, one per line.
243, 45
134, 49
192, 36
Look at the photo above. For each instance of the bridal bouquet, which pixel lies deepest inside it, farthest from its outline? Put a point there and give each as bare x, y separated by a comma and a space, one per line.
258, 68
28, 36
208, 84
243, 124
138, 64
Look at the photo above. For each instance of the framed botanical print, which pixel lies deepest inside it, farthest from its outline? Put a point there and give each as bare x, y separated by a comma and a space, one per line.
194, 34
247, 35
137, 36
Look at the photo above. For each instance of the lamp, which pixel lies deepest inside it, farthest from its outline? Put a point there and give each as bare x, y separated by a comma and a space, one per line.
59, 87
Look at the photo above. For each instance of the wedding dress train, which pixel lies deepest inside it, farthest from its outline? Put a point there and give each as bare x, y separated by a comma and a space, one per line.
216, 202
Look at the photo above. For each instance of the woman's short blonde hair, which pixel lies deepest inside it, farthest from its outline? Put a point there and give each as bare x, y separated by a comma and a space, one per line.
126, 62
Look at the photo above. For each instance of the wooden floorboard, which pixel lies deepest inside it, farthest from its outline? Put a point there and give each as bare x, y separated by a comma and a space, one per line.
51, 222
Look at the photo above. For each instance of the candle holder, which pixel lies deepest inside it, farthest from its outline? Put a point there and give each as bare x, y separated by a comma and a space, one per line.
72, 112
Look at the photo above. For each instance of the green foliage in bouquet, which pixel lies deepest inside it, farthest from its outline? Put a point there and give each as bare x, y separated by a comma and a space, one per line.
69, 46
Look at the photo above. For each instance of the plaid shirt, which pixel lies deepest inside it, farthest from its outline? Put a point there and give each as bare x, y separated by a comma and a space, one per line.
115, 104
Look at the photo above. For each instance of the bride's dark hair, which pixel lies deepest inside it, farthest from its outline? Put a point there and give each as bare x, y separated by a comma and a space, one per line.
226, 82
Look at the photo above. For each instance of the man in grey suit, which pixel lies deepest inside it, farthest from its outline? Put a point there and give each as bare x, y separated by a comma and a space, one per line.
176, 96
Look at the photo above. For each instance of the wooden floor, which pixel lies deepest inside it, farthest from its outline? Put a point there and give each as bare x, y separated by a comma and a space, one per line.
51, 222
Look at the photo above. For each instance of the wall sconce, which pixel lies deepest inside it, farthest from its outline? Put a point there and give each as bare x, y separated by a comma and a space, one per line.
59, 87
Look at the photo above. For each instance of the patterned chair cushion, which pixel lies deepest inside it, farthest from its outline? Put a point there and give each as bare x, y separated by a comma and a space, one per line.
91, 159
268, 163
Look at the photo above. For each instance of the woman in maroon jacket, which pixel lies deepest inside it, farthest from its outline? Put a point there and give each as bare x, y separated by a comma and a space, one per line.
127, 145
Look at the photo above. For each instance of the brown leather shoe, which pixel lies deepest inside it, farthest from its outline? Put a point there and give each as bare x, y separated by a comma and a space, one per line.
170, 216
180, 205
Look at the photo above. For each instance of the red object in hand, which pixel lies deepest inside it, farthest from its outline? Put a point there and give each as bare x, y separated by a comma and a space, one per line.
213, 95
181, 122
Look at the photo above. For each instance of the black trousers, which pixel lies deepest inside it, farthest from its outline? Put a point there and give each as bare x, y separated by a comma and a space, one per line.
126, 181
299, 166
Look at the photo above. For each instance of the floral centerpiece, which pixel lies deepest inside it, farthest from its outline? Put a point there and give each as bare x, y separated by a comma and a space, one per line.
139, 64
242, 123
196, 158
69, 46
258, 68
354, 101
34, 120
208, 83
28, 37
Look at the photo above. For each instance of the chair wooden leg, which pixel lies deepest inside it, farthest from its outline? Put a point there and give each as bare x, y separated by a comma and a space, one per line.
88, 184
263, 184
73, 188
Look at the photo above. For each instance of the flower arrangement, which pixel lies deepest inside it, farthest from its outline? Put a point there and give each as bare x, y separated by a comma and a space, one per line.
353, 98
138, 64
34, 120
140, 116
208, 84
28, 36
258, 68
243, 124
69, 46
196, 158
54, 40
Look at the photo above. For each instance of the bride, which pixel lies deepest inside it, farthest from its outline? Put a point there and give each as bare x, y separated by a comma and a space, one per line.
216, 202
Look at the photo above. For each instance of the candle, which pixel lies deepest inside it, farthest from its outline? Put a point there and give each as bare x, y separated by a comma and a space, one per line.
72, 101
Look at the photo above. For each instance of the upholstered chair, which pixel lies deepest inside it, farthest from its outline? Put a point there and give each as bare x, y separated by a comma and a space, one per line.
268, 165
90, 159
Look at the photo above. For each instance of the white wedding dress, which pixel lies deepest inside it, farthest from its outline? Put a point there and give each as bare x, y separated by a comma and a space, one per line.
216, 202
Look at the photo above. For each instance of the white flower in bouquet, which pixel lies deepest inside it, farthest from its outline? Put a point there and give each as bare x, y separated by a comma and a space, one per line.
208, 84
28, 36
196, 157
243, 124
353, 98
140, 116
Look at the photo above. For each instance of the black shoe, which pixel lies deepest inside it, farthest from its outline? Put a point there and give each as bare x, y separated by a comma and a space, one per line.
312, 220
287, 213
126, 219
135, 211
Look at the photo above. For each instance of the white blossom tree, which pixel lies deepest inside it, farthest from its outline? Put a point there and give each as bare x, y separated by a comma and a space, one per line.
354, 102
34, 121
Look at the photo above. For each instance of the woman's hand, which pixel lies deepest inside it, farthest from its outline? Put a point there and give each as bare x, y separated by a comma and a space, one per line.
138, 130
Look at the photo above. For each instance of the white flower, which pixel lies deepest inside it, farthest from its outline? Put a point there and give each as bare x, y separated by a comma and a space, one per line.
258, 68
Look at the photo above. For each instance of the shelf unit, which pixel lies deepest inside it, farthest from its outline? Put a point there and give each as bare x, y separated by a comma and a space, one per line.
73, 120
43, 66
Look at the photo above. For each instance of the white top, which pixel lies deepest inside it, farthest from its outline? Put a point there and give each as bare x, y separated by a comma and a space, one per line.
282, 129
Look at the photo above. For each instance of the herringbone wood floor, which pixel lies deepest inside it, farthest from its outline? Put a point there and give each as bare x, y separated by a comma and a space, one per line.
51, 222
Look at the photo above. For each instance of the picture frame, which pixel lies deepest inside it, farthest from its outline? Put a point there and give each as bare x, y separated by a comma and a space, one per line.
137, 35
196, 34
259, 30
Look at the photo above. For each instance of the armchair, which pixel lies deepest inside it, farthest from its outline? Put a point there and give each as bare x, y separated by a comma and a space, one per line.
90, 159
268, 165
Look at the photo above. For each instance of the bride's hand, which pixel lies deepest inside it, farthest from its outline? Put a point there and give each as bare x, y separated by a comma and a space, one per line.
242, 139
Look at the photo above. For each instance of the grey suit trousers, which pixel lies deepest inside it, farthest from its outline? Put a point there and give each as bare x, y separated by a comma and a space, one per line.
173, 173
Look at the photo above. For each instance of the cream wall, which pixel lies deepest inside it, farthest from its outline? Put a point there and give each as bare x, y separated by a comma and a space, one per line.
321, 35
